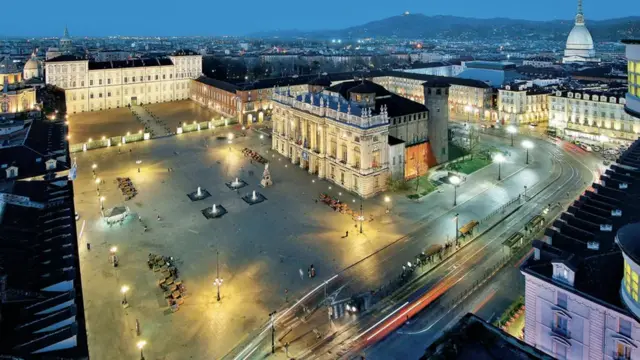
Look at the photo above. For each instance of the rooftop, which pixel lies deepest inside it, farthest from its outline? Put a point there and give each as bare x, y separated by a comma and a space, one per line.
119, 64
472, 338
583, 237
63, 58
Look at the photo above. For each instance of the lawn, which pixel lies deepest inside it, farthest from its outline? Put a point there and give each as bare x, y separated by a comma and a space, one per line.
468, 166
424, 187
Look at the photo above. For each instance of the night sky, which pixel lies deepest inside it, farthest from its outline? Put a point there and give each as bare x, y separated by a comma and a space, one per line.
239, 17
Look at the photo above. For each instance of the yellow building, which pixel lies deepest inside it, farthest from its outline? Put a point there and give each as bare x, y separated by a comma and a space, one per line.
94, 86
14, 95
518, 104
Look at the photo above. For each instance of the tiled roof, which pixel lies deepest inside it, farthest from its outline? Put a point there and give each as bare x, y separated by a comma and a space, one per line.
63, 58
119, 64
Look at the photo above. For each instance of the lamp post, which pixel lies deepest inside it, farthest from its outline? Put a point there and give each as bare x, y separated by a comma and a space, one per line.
499, 158
140, 345
456, 216
455, 181
387, 200
218, 281
102, 203
511, 130
361, 217
273, 331
124, 290
98, 185
93, 169
527, 145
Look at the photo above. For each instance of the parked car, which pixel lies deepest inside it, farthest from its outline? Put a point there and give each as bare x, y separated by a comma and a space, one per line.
586, 147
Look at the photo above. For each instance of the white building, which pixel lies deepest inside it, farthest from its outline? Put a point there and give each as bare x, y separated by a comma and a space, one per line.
592, 116
519, 104
579, 47
440, 68
581, 296
91, 86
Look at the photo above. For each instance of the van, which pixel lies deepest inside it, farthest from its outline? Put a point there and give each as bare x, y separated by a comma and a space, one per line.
586, 147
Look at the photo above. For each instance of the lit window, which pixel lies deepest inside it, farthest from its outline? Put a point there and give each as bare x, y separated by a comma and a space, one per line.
623, 351
561, 324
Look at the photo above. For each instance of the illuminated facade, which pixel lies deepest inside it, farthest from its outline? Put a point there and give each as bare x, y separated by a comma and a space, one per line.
94, 86
518, 104
632, 105
15, 97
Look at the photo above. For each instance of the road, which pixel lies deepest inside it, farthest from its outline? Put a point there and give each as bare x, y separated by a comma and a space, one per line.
451, 284
309, 338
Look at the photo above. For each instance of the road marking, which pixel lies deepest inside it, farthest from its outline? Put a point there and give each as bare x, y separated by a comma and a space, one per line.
82, 230
193, 231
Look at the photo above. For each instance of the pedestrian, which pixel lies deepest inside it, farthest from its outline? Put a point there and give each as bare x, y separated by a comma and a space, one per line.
138, 170
299, 270
158, 217
347, 234
88, 246
309, 272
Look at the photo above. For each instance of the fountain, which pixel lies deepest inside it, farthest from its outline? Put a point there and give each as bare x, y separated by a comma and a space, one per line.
236, 184
253, 198
199, 194
214, 211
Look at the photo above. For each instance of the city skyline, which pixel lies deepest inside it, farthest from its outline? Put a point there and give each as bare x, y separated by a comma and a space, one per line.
111, 21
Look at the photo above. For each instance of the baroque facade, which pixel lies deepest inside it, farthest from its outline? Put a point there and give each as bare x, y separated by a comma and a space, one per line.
518, 104
94, 86
341, 139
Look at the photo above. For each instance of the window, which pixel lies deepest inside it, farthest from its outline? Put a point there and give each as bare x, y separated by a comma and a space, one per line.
126, 79
631, 281
561, 324
623, 351
90, 82
163, 76
562, 300
108, 81
141, 78
100, 82
560, 350
91, 96
624, 327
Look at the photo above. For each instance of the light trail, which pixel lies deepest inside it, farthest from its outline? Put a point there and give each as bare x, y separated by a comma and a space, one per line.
385, 318
484, 302
268, 327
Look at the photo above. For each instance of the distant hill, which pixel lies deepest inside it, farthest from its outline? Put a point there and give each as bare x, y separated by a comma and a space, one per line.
420, 26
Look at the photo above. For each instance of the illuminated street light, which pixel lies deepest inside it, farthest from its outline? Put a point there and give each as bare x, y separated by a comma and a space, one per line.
140, 345
94, 166
387, 200
113, 249
98, 185
124, 290
218, 281
499, 158
511, 130
527, 145
455, 181
102, 203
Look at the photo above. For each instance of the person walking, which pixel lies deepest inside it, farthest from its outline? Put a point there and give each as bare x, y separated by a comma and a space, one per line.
347, 234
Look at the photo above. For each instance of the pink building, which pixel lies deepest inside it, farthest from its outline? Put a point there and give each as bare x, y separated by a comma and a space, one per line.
582, 281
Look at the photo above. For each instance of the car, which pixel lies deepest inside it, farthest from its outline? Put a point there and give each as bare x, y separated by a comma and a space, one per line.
586, 147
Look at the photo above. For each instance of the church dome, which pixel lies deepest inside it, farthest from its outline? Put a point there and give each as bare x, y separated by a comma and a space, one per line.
580, 38
31, 64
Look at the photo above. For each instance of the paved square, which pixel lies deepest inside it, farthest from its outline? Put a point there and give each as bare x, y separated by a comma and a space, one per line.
262, 248
108, 123
185, 111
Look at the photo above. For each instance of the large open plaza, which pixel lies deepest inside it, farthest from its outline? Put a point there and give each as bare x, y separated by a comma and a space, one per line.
264, 249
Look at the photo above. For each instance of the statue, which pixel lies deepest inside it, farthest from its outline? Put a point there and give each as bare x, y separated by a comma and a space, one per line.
266, 177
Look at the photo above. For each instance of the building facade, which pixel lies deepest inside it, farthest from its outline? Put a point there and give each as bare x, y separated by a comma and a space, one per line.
592, 116
632, 97
15, 96
344, 140
519, 104
94, 86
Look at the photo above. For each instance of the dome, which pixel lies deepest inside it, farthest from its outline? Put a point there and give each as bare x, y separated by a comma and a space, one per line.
579, 38
32, 64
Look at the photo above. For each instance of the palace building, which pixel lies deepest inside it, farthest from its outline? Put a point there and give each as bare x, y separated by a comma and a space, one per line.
15, 95
94, 86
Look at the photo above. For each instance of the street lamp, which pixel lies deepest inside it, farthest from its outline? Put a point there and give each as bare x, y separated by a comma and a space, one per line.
102, 203
218, 281
511, 130
527, 145
361, 217
140, 345
456, 216
499, 158
124, 290
387, 200
455, 181
97, 185
468, 110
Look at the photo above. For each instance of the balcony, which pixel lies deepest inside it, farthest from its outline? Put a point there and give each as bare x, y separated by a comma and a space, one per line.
343, 161
560, 331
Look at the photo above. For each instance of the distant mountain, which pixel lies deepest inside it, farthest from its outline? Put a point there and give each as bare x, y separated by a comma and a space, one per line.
420, 26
